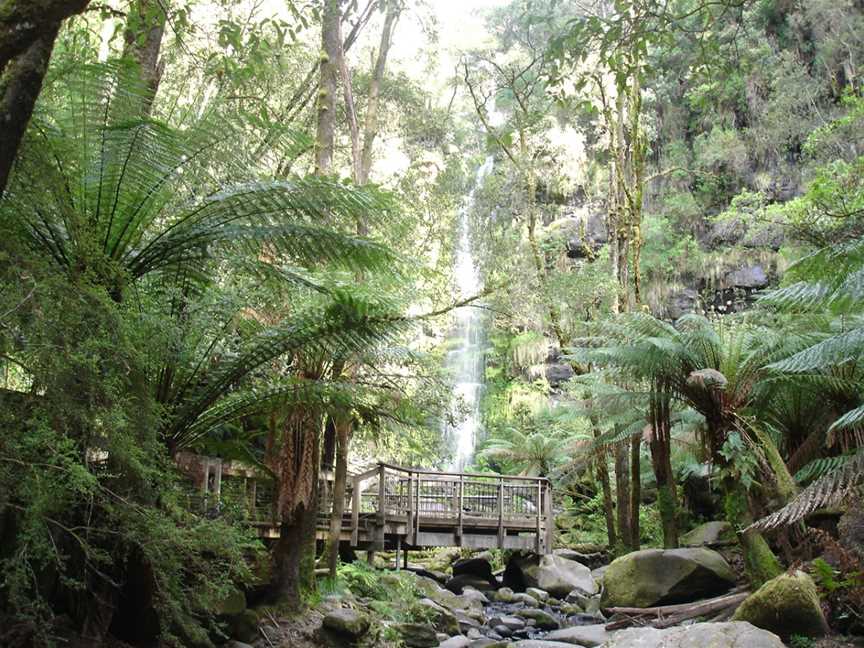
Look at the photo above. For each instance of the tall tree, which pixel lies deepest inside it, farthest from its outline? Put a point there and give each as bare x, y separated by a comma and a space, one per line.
28, 29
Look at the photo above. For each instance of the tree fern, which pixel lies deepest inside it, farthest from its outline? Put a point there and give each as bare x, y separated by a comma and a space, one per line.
832, 489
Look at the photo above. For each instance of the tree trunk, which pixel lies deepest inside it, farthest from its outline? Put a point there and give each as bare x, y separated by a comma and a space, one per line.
372, 104
23, 22
661, 462
343, 439
635, 489
19, 89
759, 560
602, 466
145, 28
622, 488
331, 46
294, 451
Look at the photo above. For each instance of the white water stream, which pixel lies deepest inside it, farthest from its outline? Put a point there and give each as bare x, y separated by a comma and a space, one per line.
466, 361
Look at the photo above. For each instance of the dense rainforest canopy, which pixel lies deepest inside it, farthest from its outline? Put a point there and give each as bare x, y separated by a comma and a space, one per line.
616, 245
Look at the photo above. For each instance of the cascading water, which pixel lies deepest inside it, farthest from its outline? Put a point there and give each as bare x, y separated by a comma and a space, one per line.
466, 362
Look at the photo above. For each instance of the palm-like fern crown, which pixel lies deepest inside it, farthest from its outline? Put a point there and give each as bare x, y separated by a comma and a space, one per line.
178, 212
100, 188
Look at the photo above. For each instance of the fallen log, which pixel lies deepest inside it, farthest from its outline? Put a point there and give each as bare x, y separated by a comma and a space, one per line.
665, 616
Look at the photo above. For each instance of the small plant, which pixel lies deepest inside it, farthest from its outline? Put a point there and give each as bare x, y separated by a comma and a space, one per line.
800, 641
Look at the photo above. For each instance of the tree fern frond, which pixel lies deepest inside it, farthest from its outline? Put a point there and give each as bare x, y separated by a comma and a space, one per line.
835, 350
818, 467
829, 490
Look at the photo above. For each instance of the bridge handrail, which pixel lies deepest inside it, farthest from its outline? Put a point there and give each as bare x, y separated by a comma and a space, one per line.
420, 471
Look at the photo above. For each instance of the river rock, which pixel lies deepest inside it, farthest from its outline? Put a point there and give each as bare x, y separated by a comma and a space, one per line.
511, 622
418, 635
540, 595
664, 576
710, 533
346, 623
588, 636
458, 583
541, 618
442, 618
455, 642
550, 573
786, 605
504, 595
540, 643
697, 635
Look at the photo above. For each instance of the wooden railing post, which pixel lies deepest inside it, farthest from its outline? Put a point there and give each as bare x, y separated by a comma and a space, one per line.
409, 526
550, 521
355, 513
461, 507
417, 511
537, 540
500, 512
382, 506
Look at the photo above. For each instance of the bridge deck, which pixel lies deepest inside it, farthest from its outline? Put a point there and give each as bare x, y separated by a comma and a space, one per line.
390, 507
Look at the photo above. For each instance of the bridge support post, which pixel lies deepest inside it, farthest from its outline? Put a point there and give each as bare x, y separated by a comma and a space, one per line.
398, 551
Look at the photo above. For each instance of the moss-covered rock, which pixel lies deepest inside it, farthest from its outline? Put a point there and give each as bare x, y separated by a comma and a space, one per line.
418, 635
441, 618
660, 576
346, 624
710, 533
786, 605
542, 619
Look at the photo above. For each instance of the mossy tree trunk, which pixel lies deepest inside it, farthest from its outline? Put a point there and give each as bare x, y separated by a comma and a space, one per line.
145, 29
622, 493
28, 29
602, 466
661, 462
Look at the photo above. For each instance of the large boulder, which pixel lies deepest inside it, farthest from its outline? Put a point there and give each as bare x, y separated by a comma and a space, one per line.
538, 643
698, 635
592, 560
476, 566
662, 576
710, 533
346, 623
747, 277
786, 605
551, 573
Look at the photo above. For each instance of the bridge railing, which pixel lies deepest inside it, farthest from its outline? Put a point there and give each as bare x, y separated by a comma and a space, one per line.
462, 501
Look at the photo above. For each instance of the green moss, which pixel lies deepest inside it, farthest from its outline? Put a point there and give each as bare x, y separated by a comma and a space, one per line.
668, 508
786, 605
761, 563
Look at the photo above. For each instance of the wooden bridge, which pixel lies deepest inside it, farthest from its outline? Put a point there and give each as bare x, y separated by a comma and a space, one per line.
390, 507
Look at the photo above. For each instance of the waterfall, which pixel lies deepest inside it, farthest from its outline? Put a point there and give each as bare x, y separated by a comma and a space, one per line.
466, 362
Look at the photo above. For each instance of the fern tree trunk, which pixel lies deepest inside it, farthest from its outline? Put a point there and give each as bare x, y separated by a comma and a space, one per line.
343, 439
661, 461
600, 459
622, 492
294, 449
635, 489
760, 562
